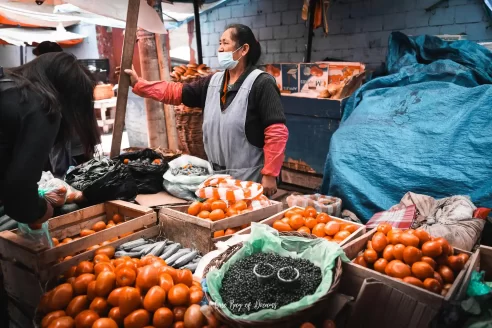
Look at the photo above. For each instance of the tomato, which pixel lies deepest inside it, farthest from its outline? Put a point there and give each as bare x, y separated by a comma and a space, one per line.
422, 270
184, 276
230, 231
193, 317
130, 300
296, 221
179, 295
91, 290
84, 267
411, 255
323, 218
319, 230
103, 266
100, 306
409, 239
351, 228
154, 299
398, 250
179, 313
380, 265
77, 305
311, 223
430, 261
62, 322
219, 233
414, 281
370, 256
114, 296
195, 208
105, 323
432, 249
137, 319
341, 235
398, 270
166, 281
70, 272
464, 256
118, 218
61, 297
98, 226
304, 230
379, 242
384, 228
115, 314
55, 241
163, 318
86, 232
444, 245
204, 214
147, 278
105, 283
148, 259
456, 263
446, 274
178, 324
240, 205
388, 253
81, 282
101, 258
310, 212
360, 261
196, 296
423, 236
50, 317
171, 271
432, 285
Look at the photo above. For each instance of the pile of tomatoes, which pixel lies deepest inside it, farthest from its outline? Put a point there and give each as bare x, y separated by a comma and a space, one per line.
414, 257
215, 210
96, 227
125, 292
308, 220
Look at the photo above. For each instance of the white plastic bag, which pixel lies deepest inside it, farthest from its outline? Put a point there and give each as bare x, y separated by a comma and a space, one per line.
183, 186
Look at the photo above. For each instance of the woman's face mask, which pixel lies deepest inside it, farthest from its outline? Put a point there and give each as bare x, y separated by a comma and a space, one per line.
226, 59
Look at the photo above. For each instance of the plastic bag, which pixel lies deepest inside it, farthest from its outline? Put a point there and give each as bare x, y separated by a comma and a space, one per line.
326, 204
39, 236
147, 168
101, 180
477, 286
184, 186
55, 192
266, 239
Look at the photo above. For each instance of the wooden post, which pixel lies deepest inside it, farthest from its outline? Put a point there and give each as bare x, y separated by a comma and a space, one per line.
124, 80
312, 8
196, 10
165, 70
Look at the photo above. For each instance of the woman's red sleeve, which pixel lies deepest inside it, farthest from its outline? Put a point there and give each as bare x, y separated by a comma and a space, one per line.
276, 136
166, 92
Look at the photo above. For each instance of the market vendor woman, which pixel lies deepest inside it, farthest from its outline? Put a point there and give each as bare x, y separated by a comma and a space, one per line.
244, 130
42, 104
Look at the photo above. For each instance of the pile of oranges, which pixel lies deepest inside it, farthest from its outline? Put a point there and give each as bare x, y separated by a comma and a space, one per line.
414, 257
308, 220
96, 227
125, 292
216, 209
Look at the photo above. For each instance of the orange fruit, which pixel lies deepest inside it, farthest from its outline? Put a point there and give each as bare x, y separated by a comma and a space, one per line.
118, 218
231, 211
328, 238
285, 220
319, 230
206, 207
216, 215
195, 208
332, 228
310, 223
351, 228
310, 212
323, 218
219, 233
240, 205
289, 213
341, 235
281, 226
304, 229
204, 214
296, 221
230, 231
219, 205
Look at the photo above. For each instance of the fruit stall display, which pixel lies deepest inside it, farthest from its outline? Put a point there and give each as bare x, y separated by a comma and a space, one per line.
28, 265
309, 221
108, 292
424, 267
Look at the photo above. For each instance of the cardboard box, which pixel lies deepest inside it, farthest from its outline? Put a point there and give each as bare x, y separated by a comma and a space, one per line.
274, 70
359, 232
290, 78
313, 77
342, 71
415, 305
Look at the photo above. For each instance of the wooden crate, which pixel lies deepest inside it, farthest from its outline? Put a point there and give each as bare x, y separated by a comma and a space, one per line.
359, 232
481, 260
191, 231
354, 276
27, 267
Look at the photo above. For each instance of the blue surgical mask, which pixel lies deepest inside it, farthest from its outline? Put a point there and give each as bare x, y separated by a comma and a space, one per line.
226, 59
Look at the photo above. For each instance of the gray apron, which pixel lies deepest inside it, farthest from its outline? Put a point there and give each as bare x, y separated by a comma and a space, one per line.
224, 132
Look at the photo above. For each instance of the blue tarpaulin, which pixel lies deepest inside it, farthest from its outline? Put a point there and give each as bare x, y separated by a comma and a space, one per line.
425, 127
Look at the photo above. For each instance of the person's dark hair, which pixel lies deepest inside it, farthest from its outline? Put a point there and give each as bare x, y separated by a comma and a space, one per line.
66, 88
241, 34
46, 47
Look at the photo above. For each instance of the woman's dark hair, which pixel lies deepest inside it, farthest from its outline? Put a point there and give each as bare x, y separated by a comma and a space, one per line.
46, 47
66, 88
241, 34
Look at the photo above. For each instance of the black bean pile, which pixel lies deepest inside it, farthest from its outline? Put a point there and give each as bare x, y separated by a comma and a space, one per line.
288, 274
243, 294
263, 269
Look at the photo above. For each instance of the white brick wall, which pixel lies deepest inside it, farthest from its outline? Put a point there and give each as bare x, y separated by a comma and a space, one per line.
359, 29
